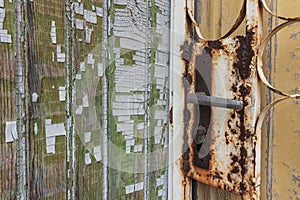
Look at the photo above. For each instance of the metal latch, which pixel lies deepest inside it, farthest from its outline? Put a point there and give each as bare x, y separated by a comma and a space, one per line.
200, 98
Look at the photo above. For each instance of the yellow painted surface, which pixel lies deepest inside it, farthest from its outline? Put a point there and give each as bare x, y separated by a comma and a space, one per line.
217, 17
284, 168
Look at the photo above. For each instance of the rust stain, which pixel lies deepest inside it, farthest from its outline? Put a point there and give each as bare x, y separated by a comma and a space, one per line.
171, 115
245, 54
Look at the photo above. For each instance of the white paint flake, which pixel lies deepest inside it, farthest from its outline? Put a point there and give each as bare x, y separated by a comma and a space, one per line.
90, 16
78, 8
130, 143
82, 66
99, 12
160, 193
129, 189
100, 69
4, 36
88, 35
50, 149
87, 159
79, 24
35, 128
60, 56
11, 131
34, 97
85, 101
139, 186
97, 153
53, 131
53, 32
62, 93
91, 60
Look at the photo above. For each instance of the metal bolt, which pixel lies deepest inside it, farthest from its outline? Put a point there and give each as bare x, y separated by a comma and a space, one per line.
204, 100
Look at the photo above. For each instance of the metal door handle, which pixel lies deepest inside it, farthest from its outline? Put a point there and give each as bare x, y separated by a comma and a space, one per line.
201, 98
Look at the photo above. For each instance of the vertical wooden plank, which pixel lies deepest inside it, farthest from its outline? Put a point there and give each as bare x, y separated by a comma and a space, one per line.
267, 131
180, 185
88, 106
8, 150
137, 77
46, 115
20, 105
206, 192
127, 30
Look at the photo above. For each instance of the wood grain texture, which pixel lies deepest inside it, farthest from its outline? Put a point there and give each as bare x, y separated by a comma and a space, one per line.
8, 151
206, 192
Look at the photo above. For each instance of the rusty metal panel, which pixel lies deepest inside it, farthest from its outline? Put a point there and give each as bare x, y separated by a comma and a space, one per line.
226, 158
219, 147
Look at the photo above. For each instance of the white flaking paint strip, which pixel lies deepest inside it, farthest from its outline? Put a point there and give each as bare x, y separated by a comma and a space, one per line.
50, 149
35, 128
97, 153
88, 35
90, 16
11, 131
4, 36
130, 143
62, 93
53, 32
50, 141
91, 60
85, 101
129, 189
99, 12
82, 66
60, 56
79, 24
100, 69
78, 8
87, 159
139, 186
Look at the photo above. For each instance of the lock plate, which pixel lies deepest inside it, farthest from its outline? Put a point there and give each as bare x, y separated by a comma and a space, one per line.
220, 147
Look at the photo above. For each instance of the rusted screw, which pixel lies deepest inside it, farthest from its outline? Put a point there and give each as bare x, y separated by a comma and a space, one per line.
201, 98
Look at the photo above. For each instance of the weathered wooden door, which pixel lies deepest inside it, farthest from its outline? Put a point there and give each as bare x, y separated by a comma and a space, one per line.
98, 99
